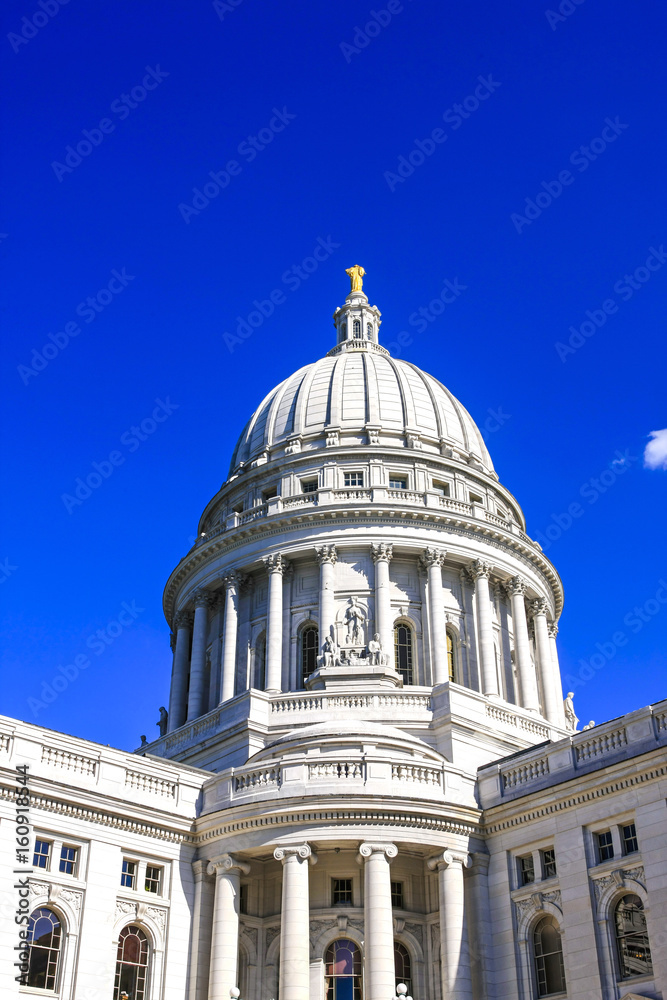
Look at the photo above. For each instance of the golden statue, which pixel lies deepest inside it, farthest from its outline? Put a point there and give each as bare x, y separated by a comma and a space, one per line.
356, 274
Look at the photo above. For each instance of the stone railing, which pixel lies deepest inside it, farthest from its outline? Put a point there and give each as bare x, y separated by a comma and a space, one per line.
69, 761
416, 772
316, 702
354, 493
336, 769
518, 721
458, 505
256, 778
524, 773
406, 496
603, 744
150, 784
255, 512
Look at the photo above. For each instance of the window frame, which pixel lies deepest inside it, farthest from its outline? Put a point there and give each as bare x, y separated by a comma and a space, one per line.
408, 980
524, 869
357, 974
132, 886
538, 961
601, 849
64, 860
309, 485
349, 476
441, 487
397, 895
59, 949
159, 880
398, 481
545, 864
307, 652
629, 838
48, 856
619, 960
409, 674
146, 989
347, 891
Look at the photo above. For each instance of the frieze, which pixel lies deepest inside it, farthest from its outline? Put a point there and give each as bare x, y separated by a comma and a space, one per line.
617, 878
270, 936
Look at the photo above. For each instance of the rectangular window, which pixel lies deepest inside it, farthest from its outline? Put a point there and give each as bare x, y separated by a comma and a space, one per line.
269, 494
526, 870
243, 898
476, 498
153, 881
629, 838
68, 858
341, 892
397, 894
548, 863
354, 479
42, 856
128, 877
441, 488
605, 846
398, 483
309, 485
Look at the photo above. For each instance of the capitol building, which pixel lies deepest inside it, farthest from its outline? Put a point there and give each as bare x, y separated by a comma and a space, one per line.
368, 778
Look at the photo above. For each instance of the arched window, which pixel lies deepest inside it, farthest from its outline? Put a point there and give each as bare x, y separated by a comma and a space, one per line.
403, 966
548, 955
403, 651
343, 331
131, 964
310, 642
44, 943
634, 951
242, 976
369, 330
342, 971
451, 656
259, 664
356, 327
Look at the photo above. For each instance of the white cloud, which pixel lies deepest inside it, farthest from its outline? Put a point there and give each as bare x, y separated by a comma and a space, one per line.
655, 453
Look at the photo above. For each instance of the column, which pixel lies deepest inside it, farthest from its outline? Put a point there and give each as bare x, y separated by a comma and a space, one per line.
275, 566
454, 951
380, 980
382, 555
432, 560
202, 602
326, 557
544, 662
516, 588
480, 572
480, 934
179, 670
230, 627
202, 928
552, 629
295, 922
225, 935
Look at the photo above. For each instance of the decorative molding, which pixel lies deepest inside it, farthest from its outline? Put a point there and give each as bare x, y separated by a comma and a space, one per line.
479, 568
182, 619
326, 554
367, 849
270, 936
448, 858
617, 878
382, 551
417, 932
517, 585
228, 864
203, 598
302, 851
432, 557
552, 628
540, 606
276, 563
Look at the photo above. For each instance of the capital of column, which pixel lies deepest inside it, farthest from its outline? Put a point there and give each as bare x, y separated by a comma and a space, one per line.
382, 551
478, 568
366, 850
203, 598
517, 585
326, 554
553, 629
276, 563
479, 863
227, 864
183, 619
540, 606
172, 641
200, 871
302, 851
432, 557
450, 858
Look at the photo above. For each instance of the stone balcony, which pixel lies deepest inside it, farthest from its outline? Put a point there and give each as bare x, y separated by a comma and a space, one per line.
581, 753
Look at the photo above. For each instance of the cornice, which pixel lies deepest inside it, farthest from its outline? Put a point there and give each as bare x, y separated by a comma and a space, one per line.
455, 525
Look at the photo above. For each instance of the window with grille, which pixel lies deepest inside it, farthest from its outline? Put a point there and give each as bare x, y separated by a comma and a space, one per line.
357, 328
548, 863
44, 943
68, 860
403, 966
451, 656
128, 875
397, 895
548, 957
131, 964
632, 944
403, 652
342, 971
398, 483
369, 330
259, 670
243, 897
526, 869
341, 892
605, 846
354, 478
629, 838
309, 485
153, 882
441, 488
310, 642
42, 854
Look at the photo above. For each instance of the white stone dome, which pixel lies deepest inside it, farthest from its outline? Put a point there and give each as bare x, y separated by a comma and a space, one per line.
360, 395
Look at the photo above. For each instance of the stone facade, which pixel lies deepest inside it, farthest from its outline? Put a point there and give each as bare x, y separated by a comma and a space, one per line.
366, 752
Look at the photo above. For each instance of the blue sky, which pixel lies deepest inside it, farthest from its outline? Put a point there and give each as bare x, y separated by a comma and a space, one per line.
542, 194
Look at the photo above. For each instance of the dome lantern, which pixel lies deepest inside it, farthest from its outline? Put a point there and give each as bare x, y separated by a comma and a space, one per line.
357, 323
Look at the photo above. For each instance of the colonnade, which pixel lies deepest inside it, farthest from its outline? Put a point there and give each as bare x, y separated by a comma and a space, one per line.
538, 683
461, 967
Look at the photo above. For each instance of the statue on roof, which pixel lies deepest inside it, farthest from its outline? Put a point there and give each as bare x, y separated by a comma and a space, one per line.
356, 275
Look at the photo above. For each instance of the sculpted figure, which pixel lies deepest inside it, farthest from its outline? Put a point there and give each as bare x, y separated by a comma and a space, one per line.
163, 720
375, 651
355, 619
329, 652
571, 719
356, 274
591, 725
